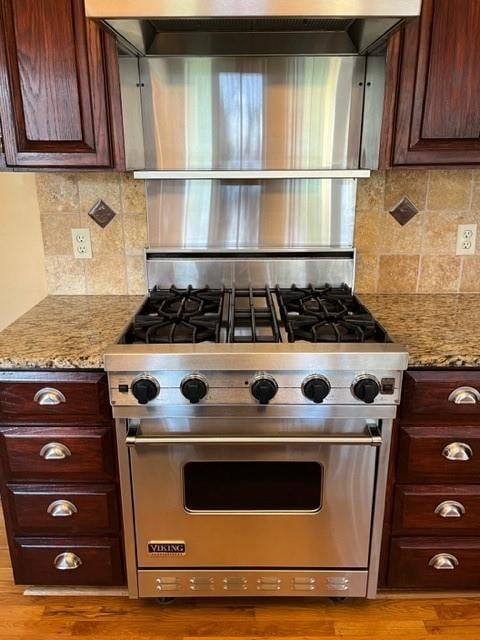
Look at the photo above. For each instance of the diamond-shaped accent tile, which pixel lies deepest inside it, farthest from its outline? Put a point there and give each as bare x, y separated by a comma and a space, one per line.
102, 213
404, 211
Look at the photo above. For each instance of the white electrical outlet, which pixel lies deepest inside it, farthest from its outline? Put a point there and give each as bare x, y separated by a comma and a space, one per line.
466, 239
82, 246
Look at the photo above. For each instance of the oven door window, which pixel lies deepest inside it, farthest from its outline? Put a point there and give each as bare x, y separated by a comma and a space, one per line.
253, 486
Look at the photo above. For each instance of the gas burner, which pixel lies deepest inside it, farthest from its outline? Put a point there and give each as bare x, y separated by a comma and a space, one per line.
327, 314
179, 316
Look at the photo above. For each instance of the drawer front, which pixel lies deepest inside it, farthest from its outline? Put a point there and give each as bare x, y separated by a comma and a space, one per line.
434, 563
72, 454
447, 455
436, 510
441, 395
62, 509
53, 561
41, 397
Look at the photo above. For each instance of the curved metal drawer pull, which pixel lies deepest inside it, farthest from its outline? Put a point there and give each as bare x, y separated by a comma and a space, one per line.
55, 451
49, 397
458, 451
443, 561
67, 561
450, 509
62, 509
464, 395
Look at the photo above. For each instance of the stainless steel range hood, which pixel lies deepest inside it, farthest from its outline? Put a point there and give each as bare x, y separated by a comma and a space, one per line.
252, 89
163, 27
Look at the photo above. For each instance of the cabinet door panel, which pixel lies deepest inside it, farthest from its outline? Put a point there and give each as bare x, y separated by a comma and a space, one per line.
436, 510
91, 509
59, 454
36, 561
413, 560
54, 93
435, 115
24, 397
438, 454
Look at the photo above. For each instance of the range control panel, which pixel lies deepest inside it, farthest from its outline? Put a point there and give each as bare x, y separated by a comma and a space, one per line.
255, 387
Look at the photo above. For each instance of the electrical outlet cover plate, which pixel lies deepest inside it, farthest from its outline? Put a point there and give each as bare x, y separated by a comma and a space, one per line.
466, 239
82, 246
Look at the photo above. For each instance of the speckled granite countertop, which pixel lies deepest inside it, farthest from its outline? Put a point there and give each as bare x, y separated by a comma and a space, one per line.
439, 330
66, 332
74, 331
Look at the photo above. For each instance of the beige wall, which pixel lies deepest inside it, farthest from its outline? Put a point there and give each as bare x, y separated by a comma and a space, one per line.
22, 273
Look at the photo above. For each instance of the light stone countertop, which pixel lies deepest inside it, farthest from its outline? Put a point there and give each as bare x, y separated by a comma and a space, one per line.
66, 332
439, 330
74, 331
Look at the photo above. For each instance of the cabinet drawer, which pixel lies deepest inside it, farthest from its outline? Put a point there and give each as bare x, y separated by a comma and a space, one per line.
67, 561
412, 563
426, 396
41, 397
72, 454
62, 509
436, 510
447, 455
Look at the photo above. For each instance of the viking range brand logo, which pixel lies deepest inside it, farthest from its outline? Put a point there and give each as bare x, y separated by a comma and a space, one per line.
156, 548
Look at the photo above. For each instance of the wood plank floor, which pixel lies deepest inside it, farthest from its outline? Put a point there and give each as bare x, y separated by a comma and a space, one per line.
114, 618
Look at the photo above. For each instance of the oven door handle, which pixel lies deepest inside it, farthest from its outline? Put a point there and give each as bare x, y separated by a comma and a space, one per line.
372, 437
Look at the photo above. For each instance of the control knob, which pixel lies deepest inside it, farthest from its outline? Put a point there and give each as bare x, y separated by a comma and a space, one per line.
145, 388
366, 389
316, 388
194, 388
264, 388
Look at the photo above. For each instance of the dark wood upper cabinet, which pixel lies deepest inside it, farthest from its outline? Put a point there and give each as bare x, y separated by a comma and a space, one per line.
59, 87
432, 114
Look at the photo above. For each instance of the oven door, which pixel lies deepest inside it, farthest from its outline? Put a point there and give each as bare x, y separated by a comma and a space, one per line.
280, 494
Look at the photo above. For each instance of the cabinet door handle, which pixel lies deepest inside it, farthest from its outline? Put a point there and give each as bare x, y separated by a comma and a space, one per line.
458, 451
55, 451
49, 397
62, 509
444, 561
450, 509
67, 561
464, 395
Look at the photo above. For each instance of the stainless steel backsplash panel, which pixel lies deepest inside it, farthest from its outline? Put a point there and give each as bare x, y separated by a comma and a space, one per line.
165, 269
263, 214
252, 113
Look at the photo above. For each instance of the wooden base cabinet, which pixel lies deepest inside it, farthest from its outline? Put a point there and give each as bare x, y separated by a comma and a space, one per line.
432, 527
59, 482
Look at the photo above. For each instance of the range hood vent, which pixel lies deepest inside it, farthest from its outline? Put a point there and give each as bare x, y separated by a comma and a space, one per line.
249, 27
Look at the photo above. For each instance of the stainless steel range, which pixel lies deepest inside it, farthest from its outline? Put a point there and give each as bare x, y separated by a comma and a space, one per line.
254, 419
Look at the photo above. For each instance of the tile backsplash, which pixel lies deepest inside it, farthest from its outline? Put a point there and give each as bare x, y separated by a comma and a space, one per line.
117, 266
391, 258
419, 256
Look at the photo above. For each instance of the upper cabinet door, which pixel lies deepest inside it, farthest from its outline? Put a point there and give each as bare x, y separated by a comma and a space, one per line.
432, 109
59, 89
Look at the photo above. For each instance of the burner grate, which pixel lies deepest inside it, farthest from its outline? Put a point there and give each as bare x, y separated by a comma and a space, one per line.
179, 316
326, 314
252, 316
